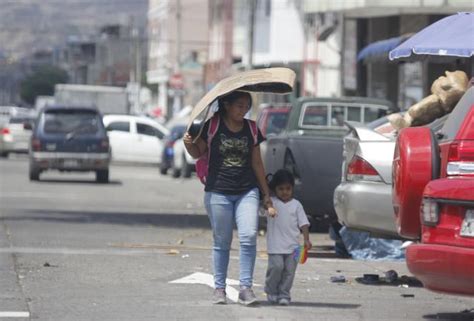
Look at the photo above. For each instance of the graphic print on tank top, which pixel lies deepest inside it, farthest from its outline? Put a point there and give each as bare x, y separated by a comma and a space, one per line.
234, 151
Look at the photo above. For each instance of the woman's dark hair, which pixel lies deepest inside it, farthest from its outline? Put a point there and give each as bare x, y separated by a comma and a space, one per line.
282, 176
230, 98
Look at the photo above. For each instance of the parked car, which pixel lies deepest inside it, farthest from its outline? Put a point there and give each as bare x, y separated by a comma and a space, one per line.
69, 139
183, 164
310, 147
167, 153
15, 134
135, 138
433, 197
363, 199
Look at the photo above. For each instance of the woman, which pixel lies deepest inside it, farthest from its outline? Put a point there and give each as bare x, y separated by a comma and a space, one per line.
232, 190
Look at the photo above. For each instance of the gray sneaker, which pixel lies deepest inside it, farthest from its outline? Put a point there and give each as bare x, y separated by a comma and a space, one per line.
284, 301
247, 297
219, 297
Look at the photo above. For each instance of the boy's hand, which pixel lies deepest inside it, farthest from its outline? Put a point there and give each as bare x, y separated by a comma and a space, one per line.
307, 244
272, 212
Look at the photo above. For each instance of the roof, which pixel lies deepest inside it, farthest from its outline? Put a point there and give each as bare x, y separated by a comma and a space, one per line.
353, 99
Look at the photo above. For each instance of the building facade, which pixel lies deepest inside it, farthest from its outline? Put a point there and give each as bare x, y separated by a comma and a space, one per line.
178, 40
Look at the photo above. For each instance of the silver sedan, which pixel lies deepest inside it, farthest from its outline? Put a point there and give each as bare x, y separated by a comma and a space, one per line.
363, 199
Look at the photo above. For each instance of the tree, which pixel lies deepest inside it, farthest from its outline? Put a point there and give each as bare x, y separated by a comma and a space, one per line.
41, 82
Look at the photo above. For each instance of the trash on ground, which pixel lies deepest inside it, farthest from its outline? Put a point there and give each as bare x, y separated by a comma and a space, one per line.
408, 295
363, 247
180, 242
391, 276
184, 256
338, 279
173, 252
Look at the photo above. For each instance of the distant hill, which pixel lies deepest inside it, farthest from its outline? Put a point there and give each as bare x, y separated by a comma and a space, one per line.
30, 25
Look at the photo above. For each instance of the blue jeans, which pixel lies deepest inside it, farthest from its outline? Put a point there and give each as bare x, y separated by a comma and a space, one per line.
223, 210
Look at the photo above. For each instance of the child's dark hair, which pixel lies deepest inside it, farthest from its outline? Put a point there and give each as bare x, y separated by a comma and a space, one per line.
282, 176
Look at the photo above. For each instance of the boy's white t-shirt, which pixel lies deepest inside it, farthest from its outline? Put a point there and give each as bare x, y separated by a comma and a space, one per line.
283, 231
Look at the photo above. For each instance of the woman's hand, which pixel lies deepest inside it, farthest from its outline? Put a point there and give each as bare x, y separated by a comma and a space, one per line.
187, 139
194, 148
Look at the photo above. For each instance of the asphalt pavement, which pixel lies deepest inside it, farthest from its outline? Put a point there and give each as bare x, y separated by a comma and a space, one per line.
139, 249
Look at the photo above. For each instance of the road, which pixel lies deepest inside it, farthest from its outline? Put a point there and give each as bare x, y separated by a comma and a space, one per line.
71, 249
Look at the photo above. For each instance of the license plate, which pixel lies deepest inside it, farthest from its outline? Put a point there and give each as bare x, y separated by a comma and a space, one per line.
70, 163
467, 227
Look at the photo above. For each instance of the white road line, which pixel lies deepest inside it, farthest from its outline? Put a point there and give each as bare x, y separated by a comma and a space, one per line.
14, 314
208, 279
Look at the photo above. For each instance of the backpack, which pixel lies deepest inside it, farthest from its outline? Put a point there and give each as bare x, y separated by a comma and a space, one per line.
202, 163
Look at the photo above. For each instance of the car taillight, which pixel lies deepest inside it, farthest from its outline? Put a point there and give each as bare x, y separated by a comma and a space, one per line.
35, 145
429, 212
5, 131
360, 170
461, 158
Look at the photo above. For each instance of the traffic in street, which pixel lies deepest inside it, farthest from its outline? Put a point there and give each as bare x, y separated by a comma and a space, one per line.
139, 248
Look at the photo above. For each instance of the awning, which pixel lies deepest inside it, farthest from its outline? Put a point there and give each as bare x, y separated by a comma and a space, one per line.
378, 51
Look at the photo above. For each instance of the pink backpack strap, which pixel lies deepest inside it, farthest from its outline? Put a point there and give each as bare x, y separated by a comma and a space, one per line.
253, 130
211, 131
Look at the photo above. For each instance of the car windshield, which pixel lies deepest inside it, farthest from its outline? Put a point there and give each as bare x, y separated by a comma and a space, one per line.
67, 121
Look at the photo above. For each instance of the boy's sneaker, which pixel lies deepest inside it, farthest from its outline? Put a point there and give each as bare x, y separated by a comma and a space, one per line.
219, 297
284, 301
247, 297
271, 298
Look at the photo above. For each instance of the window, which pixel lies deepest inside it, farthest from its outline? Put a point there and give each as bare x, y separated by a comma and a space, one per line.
148, 130
372, 113
337, 116
71, 121
315, 116
354, 113
276, 122
119, 126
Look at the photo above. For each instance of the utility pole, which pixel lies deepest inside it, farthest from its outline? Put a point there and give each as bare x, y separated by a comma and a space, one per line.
252, 7
177, 96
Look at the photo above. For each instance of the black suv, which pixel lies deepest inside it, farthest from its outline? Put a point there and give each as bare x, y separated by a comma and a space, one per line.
70, 139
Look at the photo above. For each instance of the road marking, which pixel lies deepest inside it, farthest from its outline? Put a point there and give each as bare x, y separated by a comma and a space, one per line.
208, 279
14, 314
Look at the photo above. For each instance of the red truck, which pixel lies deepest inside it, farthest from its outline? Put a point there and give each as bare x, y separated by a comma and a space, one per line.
433, 198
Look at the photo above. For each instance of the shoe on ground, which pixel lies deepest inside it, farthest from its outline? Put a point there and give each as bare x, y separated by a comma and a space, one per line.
273, 299
219, 296
284, 301
247, 297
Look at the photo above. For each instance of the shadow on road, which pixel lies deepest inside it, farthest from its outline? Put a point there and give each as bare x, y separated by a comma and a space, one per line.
467, 315
317, 305
78, 181
92, 217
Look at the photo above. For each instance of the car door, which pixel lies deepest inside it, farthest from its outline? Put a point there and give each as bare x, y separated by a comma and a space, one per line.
149, 142
121, 139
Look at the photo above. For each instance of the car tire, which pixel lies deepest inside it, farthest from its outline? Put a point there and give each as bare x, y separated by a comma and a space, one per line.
186, 168
34, 174
4, 154
176, 172
163, 170
102, 176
